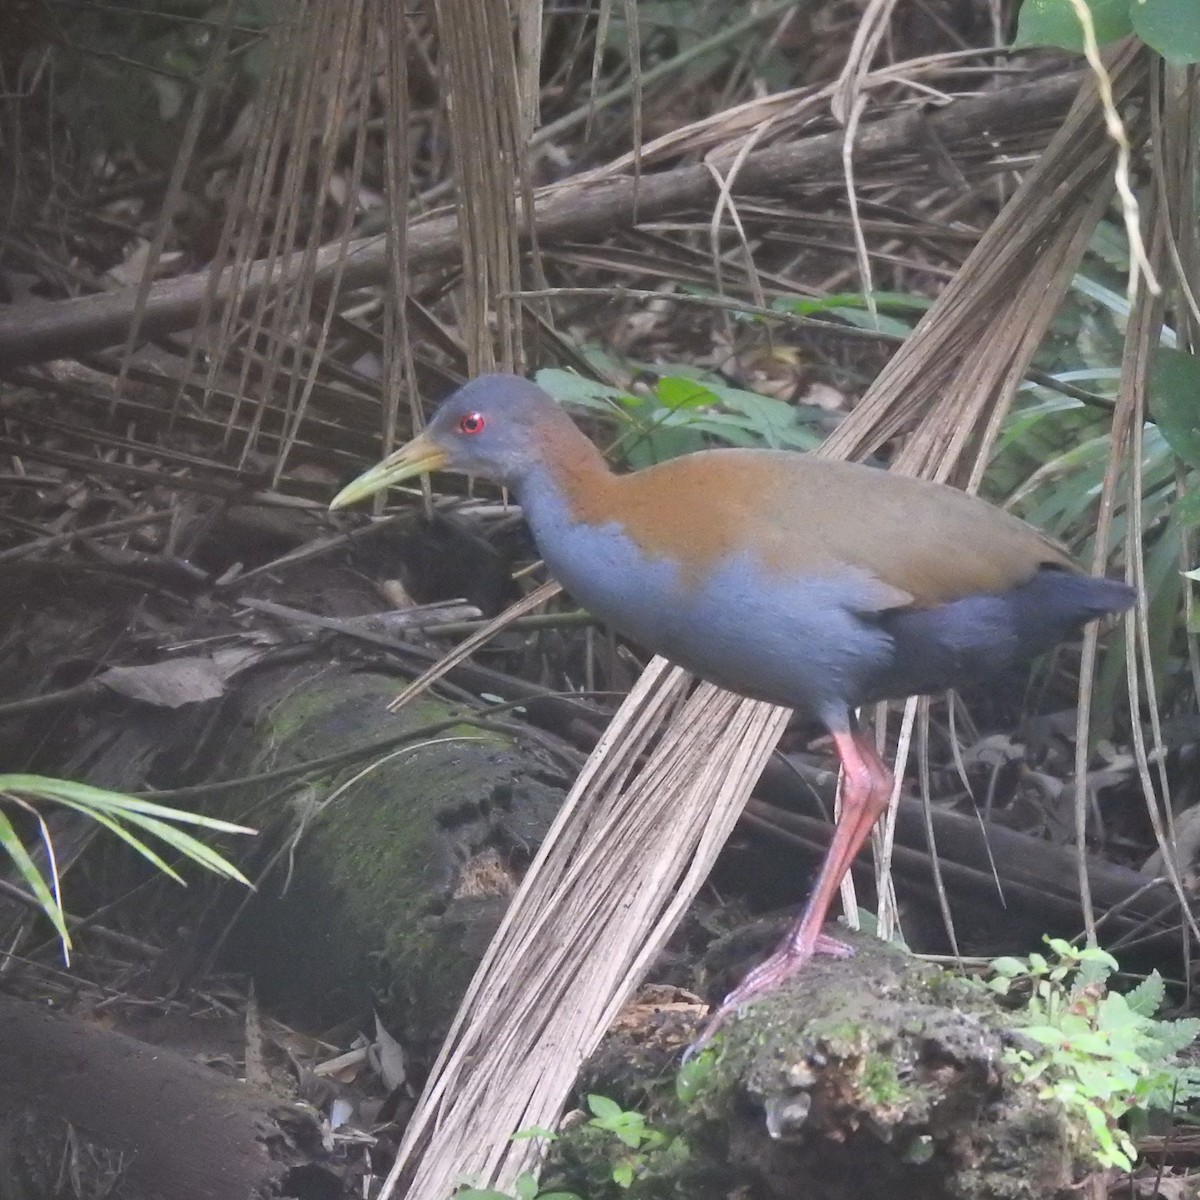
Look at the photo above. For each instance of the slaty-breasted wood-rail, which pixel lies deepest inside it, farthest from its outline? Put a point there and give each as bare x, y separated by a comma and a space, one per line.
813, 584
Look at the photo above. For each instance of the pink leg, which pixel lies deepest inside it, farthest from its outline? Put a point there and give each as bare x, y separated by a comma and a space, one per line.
866, 790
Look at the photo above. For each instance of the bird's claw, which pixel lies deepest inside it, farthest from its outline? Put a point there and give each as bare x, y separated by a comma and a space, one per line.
769, 974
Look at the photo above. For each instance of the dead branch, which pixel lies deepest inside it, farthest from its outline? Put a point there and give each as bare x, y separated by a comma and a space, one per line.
69, 328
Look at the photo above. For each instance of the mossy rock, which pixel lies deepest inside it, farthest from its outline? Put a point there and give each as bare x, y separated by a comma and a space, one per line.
877, 1077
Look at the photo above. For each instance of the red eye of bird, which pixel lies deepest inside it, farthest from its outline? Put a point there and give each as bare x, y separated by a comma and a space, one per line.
472, 423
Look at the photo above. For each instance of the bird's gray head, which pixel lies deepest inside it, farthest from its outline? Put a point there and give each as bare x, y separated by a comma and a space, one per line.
498, 427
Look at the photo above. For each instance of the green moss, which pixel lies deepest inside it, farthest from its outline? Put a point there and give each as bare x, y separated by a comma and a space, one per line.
880, 1083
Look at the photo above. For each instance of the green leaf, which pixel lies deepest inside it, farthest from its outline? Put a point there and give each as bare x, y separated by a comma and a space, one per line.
604, 1107
1187, 509
568, 388
1147, 998
1091, 1043
1174, 1036
630, 1129
676, 392
93, 797
1174, 388
1116, 1016
135, 843
622, 1175
526, 1185
678, 1151
534, 1131
12, 845
851, 307
884, 301
1093, 954
1055, 23
1009, 968
1172, 27
1110, 1154
692, 1076
1048, 1035
881, 322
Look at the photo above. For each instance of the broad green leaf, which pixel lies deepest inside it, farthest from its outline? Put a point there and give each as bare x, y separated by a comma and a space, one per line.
1094, 954
569, 388
1055, 23
676, 392
1091, 1043
1010, 968
1100, 1081
1187, 508
1172, 27
1093, 971
604, 1107
1175, 402
1116, 1015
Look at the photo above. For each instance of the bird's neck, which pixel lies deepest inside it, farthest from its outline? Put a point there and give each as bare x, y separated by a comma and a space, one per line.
571, 484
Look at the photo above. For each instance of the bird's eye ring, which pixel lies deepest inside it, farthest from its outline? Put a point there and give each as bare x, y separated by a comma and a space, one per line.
472, 423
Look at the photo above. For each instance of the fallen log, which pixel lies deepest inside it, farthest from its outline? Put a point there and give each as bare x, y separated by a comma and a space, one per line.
31, 333
134, 1120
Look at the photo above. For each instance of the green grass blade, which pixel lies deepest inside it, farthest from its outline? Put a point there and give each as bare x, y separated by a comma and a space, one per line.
12, 845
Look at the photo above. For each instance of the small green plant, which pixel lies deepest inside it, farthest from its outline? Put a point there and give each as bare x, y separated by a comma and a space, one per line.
1104, 1056
525, 1188
640, 1140
694, 1075
642, 1147
682, 414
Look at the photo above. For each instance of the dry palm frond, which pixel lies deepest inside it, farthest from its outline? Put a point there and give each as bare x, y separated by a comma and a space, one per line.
487, 122
959, 370
630, 848
526, 1022
182, 165
326, 62
397, 348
